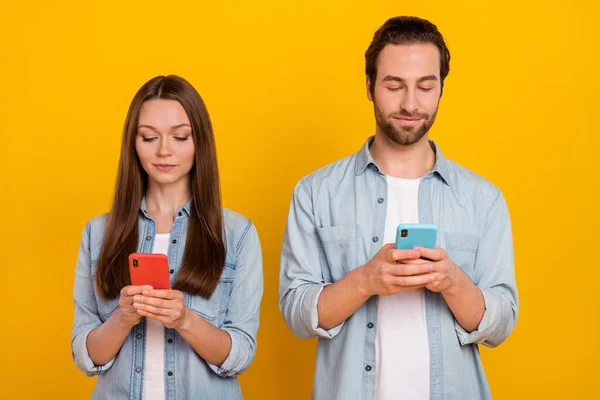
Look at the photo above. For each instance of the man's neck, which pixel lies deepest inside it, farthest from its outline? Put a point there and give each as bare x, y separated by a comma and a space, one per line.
402, 161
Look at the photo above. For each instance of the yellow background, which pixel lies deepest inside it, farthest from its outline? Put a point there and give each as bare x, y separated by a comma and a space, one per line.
284, 84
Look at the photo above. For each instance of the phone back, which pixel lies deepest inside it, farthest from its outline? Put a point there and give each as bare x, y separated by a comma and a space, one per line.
149, 269
416, 235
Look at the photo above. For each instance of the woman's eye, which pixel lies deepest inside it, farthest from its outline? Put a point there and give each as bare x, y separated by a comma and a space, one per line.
181, 138
148, 139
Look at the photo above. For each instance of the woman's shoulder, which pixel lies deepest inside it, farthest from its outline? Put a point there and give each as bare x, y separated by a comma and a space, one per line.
96, 227
98, 222
233, 219
237, 227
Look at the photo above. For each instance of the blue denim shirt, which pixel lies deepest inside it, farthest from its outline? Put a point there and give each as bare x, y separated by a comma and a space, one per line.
336, 223
233, 307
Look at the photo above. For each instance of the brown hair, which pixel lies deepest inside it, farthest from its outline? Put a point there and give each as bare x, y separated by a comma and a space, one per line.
204, 254
405, 30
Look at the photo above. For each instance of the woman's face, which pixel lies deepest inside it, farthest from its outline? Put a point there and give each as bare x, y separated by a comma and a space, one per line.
164, 141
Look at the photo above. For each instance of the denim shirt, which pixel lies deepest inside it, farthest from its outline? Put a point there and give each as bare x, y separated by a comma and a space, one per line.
336, 224
233, 307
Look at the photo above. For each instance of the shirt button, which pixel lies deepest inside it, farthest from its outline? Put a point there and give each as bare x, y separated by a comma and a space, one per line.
148, 237
170, 373
375, 239
139, 335
368, 368
376, 169
172, 271
170, 341
180, 213
380, 200
370, 325
174, 241
138, 370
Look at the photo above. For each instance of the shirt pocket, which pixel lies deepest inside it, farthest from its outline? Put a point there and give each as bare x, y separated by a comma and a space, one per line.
339, 250
213, 309
462, 250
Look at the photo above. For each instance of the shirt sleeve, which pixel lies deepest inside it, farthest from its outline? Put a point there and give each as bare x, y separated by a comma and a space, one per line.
301, 279
86, 310
495, 277
242, 316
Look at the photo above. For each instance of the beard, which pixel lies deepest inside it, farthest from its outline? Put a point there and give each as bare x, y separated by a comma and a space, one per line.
406, 135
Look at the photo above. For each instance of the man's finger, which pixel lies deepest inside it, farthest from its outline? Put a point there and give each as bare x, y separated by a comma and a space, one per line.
436, 254
411, 269
394, 255
387, 247
413, 280
417, 261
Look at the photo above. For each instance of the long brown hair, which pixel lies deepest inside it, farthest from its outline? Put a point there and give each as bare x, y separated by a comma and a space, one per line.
204, 255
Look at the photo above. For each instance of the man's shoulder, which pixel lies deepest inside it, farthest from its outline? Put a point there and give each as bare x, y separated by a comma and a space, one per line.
467, 182
333, 172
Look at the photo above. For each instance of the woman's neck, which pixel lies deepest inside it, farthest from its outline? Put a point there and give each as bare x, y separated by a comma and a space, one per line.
164, 199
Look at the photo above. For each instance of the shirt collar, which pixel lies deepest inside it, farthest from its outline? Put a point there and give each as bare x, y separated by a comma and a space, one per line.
441, 166
186, 207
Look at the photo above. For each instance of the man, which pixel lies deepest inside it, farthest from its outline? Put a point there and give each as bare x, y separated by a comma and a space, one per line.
399, 324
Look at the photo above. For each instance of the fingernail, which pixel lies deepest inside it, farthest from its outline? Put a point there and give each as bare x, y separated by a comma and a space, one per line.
145, 292
137, 298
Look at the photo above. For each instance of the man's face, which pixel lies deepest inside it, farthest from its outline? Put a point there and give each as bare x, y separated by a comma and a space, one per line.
407, 91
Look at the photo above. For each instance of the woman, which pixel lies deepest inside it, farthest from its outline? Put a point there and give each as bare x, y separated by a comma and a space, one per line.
191, 340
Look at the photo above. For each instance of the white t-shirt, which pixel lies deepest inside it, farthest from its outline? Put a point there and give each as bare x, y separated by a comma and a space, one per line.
154, 363
402, 347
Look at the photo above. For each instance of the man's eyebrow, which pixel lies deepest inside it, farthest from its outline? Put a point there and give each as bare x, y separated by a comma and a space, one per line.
427, 78
391, 78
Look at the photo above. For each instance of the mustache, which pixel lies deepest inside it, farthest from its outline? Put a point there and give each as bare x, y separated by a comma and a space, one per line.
406, 114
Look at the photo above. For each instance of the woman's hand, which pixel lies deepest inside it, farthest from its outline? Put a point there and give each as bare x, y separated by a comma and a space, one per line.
128, 315
165, 306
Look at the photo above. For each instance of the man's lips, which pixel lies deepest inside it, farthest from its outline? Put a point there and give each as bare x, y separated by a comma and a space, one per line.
407, 120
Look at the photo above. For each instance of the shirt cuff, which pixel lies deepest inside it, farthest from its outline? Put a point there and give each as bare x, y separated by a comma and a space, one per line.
310, 313
82, 357
487, 323
235, 362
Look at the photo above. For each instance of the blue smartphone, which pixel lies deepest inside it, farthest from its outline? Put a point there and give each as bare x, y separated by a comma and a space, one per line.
416, 235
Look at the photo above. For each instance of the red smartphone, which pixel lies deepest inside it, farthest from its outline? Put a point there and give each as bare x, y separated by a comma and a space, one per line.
149, 269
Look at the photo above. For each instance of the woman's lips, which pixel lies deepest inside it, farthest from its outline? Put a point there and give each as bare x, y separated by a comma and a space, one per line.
164, 167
